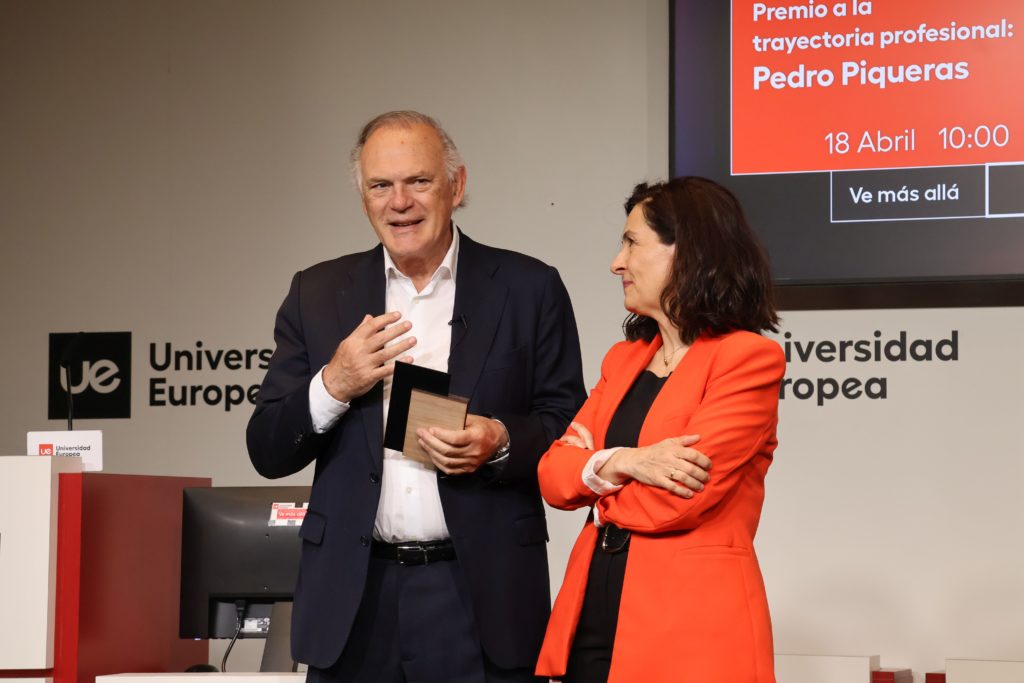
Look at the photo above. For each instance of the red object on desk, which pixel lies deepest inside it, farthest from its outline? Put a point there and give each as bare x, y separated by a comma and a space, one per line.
119, 577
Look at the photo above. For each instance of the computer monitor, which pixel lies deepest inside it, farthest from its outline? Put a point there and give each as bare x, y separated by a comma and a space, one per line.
236, 559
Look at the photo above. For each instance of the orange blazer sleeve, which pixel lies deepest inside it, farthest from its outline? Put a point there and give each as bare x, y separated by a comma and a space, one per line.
735, 418
560, 472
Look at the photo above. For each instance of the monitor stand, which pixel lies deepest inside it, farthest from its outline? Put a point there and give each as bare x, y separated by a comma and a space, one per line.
277, 653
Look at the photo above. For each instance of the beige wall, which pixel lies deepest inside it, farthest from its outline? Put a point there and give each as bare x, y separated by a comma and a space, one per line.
167, 166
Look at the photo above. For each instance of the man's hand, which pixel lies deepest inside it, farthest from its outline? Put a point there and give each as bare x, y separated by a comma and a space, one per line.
462, 451
361, 359
670, 464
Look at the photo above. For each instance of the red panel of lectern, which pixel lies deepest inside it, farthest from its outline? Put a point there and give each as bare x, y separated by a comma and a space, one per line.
119, 577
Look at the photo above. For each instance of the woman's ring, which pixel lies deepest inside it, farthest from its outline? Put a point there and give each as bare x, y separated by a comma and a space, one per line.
672, 473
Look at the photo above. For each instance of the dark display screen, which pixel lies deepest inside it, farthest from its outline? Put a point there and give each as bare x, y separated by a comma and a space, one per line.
876, 146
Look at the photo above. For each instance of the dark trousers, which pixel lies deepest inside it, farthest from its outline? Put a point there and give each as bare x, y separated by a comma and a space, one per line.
415, 625
591, 655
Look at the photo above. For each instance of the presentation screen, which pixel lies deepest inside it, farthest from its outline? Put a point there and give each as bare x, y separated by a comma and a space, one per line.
872, 142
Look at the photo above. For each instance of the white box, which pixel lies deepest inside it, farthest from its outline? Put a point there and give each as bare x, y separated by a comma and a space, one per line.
820, 668
28, 558
984, 671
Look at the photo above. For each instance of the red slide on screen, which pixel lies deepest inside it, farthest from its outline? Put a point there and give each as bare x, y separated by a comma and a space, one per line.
820, 86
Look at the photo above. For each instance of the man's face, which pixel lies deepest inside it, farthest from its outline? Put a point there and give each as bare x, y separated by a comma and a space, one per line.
406, 192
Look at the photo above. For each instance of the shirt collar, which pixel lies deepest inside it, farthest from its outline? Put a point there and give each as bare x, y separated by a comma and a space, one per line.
449, 263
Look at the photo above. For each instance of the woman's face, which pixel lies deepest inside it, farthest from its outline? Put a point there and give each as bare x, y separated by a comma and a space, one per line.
644, 264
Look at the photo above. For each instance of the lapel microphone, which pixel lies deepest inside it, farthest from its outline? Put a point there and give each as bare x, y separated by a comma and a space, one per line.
457, 336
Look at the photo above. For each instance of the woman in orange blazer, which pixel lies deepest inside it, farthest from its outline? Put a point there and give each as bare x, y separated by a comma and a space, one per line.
671, 451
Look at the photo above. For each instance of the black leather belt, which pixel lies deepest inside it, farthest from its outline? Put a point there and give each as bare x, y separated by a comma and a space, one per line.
612, 539
414, 552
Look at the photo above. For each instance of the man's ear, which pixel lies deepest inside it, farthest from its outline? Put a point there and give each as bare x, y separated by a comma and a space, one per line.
459, 186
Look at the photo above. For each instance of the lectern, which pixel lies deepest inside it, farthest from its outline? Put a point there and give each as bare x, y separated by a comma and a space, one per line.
89, 572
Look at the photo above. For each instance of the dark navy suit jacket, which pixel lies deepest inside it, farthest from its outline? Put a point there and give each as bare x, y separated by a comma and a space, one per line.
514, 352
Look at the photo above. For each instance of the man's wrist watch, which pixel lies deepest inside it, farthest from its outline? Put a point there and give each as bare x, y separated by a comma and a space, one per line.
503, 451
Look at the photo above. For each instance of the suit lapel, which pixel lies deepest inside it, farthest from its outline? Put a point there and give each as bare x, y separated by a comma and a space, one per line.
620, 382
479, 304
682, 391
681, 394
362, 292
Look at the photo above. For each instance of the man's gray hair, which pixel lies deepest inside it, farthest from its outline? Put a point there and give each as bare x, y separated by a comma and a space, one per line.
406, 119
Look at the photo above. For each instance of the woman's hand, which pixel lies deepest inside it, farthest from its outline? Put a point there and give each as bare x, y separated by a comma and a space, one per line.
670, 464
582, 439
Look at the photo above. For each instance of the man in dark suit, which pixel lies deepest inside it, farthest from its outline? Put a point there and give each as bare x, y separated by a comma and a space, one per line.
414, 572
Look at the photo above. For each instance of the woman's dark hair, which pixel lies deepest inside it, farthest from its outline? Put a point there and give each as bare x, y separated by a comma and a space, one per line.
720, 278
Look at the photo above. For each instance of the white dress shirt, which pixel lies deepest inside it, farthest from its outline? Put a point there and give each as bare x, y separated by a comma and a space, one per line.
410, 505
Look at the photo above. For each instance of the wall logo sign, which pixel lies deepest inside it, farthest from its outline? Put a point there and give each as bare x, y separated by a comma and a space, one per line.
866, 355
101, 370
183, 377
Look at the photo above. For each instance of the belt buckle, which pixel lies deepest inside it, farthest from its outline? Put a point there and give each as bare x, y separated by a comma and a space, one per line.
618, 543
407, 556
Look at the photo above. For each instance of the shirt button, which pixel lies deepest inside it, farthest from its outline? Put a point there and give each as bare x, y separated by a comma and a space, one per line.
374, 478
364, 541
408, 489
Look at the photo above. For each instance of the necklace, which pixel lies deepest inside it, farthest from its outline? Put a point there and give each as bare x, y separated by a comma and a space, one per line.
667, 358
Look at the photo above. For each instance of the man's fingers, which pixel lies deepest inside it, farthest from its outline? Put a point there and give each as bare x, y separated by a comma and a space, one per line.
455, 438
431, 443
446, 469
447, 464
386, 370
382, 367
383, 337
450, 443
372, 324
431, 446
389, 352
440, 462
385, 319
